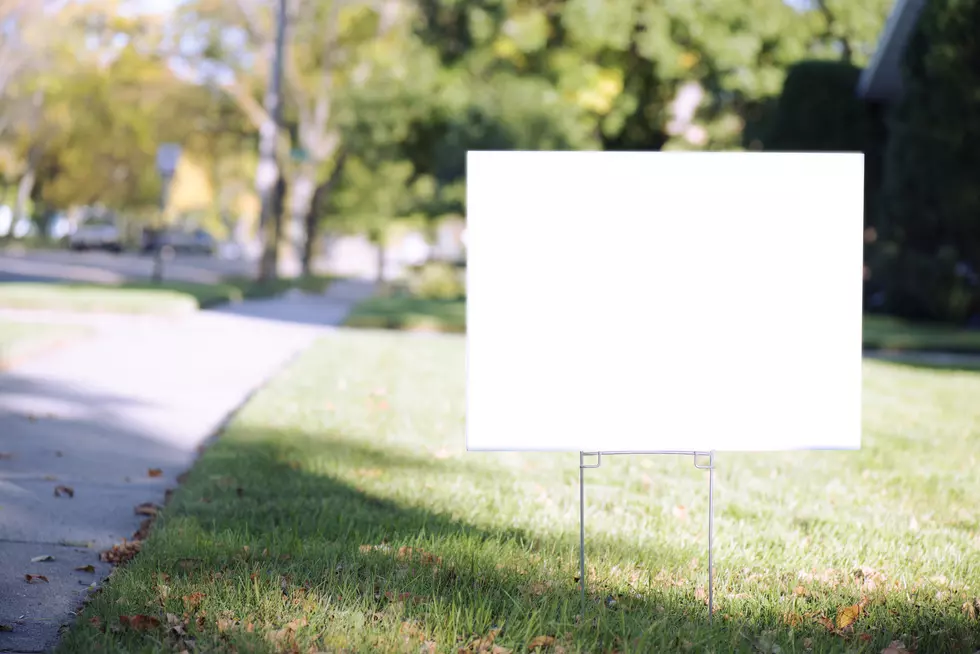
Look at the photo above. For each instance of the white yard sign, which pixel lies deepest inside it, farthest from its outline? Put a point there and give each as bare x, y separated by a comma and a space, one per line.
664, 301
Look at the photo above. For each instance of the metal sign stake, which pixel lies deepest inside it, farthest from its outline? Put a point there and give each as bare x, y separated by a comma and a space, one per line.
710, 467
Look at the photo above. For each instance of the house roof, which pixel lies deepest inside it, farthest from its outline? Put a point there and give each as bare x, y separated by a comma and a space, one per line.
882, 79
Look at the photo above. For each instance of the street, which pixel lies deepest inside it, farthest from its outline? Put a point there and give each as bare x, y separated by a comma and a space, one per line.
108, 268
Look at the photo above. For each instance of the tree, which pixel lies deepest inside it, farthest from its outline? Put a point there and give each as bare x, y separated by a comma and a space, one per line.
332, 47
929, 244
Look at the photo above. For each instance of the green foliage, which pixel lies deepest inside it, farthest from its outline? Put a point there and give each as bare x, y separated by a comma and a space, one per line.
436, 281
929, 232
820, 111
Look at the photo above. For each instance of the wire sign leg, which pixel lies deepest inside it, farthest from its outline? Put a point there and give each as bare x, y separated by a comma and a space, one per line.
711, 530
581, 517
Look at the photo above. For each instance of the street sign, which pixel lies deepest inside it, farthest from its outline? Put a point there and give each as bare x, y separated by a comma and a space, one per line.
168, 154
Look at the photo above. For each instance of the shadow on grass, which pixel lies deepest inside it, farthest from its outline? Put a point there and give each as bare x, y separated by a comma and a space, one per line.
268, 548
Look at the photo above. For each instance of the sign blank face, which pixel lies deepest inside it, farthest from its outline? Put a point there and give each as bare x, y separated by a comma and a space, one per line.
664, 301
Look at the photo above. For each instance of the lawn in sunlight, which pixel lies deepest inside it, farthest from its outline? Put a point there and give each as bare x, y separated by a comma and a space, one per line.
339, 512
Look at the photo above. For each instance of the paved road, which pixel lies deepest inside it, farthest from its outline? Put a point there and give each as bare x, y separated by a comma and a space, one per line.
105, 267
143, 393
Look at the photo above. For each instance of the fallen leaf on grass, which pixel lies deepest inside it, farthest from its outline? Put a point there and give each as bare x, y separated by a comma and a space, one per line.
483, 645
895, 647
86, 568
541, 642
154, 472
43, 557
800, 591
972, 609
144, 530
422, 555
827, 623
60, 491
368, 473
139, 622
848, 616
792, 619
30, 578
193, 600
121, 553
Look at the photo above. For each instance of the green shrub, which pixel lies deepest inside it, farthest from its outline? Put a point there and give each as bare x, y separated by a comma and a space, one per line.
436, 281
819, 110
930, 220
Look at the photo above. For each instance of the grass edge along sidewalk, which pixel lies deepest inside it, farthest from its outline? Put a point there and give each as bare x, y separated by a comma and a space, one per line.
340, 512
21, 341
169, 297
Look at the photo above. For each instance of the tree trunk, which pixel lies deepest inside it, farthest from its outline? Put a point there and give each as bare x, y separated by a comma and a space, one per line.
316, 211
24, 188
271, 227
377, 237
300, 207
312, 222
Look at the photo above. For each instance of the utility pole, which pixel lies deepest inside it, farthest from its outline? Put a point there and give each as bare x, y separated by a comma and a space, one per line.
268, 172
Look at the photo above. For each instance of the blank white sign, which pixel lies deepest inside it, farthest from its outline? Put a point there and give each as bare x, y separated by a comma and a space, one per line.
628, 301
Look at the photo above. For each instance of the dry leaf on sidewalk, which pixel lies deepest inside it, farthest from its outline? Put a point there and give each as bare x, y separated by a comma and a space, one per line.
30, 578
154, 472
86, 568
43, 557
62, 491
146, 508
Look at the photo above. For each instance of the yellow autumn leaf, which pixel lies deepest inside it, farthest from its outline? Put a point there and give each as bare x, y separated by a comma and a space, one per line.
506, 48
688, 60
848, 616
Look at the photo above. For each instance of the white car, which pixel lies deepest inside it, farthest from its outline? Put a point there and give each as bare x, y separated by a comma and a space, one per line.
96, 234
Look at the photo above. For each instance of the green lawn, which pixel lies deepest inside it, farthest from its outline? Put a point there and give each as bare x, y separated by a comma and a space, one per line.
19, 341
340, 512
147, 297
403, 312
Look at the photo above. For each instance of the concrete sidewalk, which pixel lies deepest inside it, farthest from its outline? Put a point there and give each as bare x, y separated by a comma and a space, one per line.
96, 417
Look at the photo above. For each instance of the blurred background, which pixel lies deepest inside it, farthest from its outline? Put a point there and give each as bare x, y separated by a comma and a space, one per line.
283, 138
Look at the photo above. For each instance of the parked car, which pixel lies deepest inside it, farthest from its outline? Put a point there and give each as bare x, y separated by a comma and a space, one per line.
181, 240
97, 234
